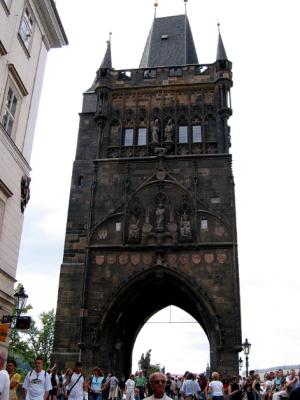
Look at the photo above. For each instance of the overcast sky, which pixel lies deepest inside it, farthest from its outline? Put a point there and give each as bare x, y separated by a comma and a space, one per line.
262, 40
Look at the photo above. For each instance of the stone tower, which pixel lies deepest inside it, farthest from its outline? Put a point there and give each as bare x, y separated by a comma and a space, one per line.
151, 218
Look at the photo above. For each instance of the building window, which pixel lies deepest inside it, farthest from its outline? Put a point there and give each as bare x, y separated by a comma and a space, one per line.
128, 138
26, 27
118, 226
197, 135
9, 110
142, 137
204, 224
183, 134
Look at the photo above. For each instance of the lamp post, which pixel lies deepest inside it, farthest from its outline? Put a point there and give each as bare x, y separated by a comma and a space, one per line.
21, 322
240, 364
246, 348
20, 300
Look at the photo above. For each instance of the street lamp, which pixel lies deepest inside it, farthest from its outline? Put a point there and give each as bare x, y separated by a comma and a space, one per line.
240, 363
21, 322
246, 348
20, 300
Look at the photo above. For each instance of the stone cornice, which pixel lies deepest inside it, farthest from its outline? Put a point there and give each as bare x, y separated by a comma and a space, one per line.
14, 151
5, 189
55, 34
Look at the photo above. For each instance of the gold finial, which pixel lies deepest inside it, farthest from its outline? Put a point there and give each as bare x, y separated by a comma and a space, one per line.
155, 7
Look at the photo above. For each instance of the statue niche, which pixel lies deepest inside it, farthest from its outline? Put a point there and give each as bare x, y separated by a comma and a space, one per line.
134, 224
184, 213
168, 133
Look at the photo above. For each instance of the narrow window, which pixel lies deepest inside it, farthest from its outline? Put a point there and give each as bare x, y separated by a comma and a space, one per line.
128, 138
80, 180
118, 226
26, 28
183, 134
197, 136
204, 224
142, 137
9, 111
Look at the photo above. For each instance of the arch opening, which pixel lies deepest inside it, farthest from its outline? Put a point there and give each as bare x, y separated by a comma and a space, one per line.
177, 341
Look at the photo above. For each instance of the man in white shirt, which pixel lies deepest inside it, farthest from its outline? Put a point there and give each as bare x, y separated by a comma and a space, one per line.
76, 385
158, 384
37, 382
4, 379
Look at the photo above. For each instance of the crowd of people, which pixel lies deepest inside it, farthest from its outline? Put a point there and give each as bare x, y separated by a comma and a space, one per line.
73, 384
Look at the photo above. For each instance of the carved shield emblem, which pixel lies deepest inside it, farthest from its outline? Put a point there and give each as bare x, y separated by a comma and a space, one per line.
172, 259
102, 234
196, 257
99, 260
219, 230
147, 259
135, 259
184, 259
209, 258
123, 259
111, 259
221, 258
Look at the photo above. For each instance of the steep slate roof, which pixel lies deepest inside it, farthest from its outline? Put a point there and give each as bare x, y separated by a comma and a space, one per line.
221, 53
176, 49
106, 62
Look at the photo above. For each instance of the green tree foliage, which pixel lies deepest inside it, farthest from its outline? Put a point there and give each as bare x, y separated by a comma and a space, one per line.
25, 346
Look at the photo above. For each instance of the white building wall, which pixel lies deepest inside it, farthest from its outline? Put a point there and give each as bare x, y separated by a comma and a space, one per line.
25, 70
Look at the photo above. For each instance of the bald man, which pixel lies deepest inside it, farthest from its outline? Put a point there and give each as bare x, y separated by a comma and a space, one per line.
4, 379
158, 385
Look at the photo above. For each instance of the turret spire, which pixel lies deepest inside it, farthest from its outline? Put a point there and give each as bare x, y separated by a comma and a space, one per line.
221, 53
155, 7
106, 62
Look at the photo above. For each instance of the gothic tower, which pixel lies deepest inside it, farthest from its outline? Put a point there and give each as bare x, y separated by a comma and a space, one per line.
151, 218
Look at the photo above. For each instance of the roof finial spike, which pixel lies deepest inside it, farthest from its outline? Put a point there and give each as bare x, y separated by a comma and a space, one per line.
109, 39
218, 24
155, 7
185, 1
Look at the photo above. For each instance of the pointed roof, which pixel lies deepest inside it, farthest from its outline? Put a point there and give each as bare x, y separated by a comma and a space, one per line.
106, 62
170, 43
221, 53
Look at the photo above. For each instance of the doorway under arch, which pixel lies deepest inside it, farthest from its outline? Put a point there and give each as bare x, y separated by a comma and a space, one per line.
177, 342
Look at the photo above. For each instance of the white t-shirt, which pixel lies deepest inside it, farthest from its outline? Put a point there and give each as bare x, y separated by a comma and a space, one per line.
77, 391
130, 384
216, 388
4, 385
36, 384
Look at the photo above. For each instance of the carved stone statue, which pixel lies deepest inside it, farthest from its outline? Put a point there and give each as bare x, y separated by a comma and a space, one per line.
185, 226
169, 131
155, 132
160, 215
134, 228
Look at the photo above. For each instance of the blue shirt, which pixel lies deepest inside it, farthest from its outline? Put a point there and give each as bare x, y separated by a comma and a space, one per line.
190, 387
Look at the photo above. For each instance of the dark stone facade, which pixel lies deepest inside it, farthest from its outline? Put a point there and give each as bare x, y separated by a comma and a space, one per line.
151, 218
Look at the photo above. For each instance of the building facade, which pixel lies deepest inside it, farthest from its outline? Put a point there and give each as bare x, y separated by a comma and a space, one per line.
151, 218
28, 30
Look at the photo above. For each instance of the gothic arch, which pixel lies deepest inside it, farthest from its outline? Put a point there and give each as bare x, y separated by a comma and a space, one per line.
129, 308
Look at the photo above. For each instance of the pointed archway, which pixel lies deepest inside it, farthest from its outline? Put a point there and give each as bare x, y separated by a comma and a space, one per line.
177, 342
141, 297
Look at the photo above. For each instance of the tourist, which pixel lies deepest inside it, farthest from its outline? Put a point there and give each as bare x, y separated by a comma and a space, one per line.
129, 387
215, 387
234, 390
14, 377
140, 384
75, 383
37, 382
4, 379
95, 384
256, 387
158, 385
190, 387
113, 387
